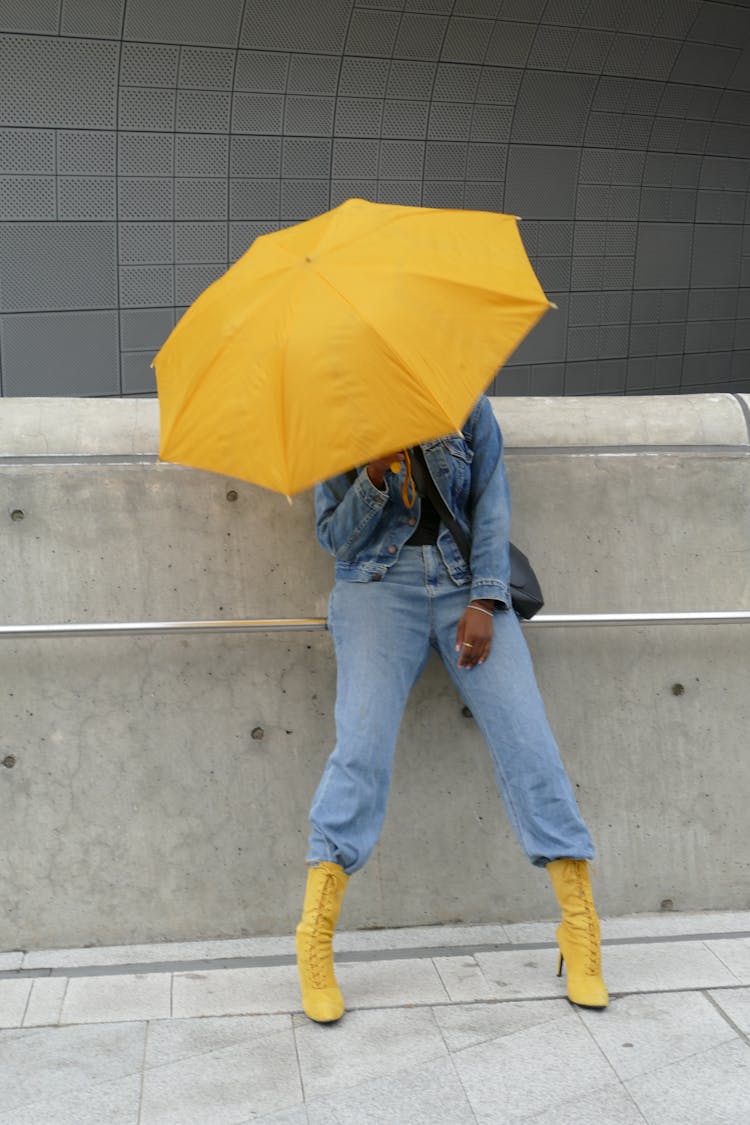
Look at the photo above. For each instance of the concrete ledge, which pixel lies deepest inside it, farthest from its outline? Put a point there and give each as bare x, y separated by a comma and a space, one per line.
157, 788
47, 427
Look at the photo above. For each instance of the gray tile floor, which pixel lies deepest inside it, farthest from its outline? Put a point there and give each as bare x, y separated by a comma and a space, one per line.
444, 1026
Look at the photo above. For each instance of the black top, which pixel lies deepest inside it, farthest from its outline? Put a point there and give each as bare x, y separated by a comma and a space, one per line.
426, 531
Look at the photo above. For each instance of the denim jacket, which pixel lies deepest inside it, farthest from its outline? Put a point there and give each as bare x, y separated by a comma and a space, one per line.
365, 529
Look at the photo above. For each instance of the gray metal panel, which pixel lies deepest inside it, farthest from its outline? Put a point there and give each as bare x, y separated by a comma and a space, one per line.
341, 190
254, 199
57, 266
466, 40
310, 157
58, 353
355, 157
445, 161
138, 376
405, 120
57, 83
372, 33
313, 74
205, 68
145, 198
200, 199
203, 111
201, 154
405, 193
551, 48
262, 72
410, 79
86, 197
40, 17
510, 44
102, 20
541, 181
484, 196
86, 153
146, 108
589, 51
146, 64
704, 65
663, 256
455, 82
297, 25
486, 161
302, 199
553, 108
184, 21
443, 193
200, 242
29, 152
401, 160
190, 281
450, 121
420, 36
309, 117
145, 286
145, 154
255, 156
358, 117
364, 78
27, 197
145, 328
257, 113
146, 243
491, 123
716, 255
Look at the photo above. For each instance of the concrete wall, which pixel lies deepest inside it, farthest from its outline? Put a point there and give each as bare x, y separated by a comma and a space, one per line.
135, 802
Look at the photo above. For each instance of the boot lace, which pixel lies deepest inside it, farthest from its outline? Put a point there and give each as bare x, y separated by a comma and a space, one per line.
320, 952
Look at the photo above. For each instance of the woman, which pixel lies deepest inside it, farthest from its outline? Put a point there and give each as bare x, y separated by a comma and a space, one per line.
402, 587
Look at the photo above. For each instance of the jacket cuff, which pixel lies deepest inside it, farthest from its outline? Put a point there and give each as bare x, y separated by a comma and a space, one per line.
491, 588
368, 493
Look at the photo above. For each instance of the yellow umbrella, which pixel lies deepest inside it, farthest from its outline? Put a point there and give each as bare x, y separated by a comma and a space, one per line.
367, 329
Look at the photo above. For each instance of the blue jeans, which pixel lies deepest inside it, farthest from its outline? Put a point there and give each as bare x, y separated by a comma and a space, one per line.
383, 632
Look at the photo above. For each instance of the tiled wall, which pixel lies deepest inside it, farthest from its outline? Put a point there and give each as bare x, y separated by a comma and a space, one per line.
144, 145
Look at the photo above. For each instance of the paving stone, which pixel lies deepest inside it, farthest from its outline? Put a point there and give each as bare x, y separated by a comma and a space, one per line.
462, 979
234, 1082
736, 1003
10, 961
14, 995
171, 1041
219, 992
382, 984
432, 1093
641, 1033
522, 974
158, 953
712, 1088
466, 1025
364, 1047
45, 1002
46, 1064
420, 937
609, 1106
735, 954
115, 1103
663, 967
130, 996
531, 1071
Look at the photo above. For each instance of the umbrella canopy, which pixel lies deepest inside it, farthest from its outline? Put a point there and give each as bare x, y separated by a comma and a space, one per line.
368, 329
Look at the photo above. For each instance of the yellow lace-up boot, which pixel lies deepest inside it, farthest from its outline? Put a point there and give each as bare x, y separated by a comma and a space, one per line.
578, 934
321, 996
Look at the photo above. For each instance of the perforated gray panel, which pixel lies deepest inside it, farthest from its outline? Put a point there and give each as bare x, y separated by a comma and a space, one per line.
620, 132
34, 346
57, 266
58, 83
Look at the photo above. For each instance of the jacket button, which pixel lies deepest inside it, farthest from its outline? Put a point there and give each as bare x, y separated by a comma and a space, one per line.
376, 577
391, 550
412, 521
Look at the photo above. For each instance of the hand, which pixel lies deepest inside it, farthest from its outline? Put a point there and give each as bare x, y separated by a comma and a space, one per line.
474, 635
376, 470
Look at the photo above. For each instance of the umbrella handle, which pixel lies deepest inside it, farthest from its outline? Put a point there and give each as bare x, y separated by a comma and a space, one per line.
408, 488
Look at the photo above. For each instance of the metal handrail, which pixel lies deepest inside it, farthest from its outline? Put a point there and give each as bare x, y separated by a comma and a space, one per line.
314, 624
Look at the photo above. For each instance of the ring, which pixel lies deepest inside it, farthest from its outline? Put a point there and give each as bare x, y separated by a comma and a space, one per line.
467, 645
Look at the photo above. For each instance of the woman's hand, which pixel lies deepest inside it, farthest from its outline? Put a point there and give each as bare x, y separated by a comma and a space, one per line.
474, 634
376, 470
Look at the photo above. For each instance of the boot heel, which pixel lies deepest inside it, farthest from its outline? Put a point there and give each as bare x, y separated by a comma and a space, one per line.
560, 960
